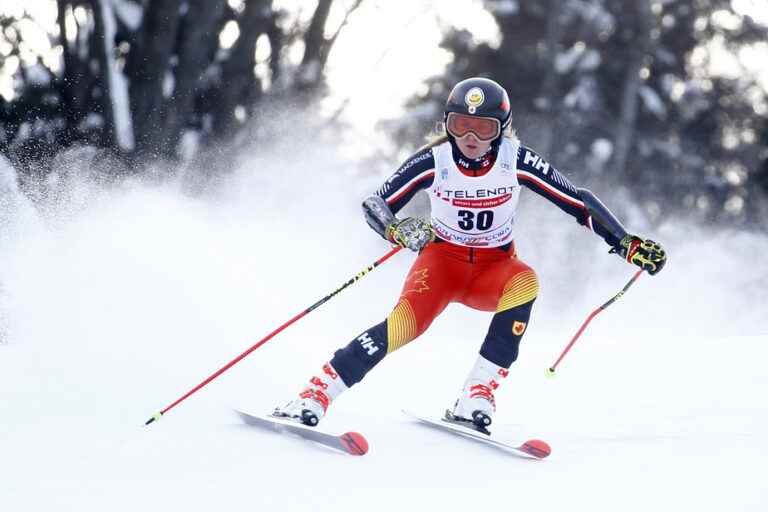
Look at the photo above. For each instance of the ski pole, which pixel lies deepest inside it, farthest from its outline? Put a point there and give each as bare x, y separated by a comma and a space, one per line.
307, 311
551, 369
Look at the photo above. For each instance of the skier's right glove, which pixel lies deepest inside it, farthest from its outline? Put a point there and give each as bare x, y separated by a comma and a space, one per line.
646, 254
412, 232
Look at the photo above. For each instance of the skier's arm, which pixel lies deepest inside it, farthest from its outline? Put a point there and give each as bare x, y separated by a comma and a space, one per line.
378, 215
417, 173
536, 174
601, 216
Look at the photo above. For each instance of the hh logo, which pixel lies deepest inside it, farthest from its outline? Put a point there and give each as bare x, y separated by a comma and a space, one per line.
518, 328
367, 343
536, 161
417, 281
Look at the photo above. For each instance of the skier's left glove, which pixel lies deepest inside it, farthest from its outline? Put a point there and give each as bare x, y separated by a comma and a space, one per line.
412, 232
646, 254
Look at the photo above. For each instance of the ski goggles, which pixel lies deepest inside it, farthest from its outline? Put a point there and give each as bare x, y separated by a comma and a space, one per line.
484, 128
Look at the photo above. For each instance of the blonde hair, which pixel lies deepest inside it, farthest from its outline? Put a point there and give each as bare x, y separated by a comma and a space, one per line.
438, 135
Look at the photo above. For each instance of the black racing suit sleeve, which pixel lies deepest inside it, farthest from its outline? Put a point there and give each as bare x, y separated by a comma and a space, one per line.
415, 174
538, 175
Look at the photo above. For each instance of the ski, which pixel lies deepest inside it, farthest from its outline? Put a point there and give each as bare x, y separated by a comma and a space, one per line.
350, 442
533, 448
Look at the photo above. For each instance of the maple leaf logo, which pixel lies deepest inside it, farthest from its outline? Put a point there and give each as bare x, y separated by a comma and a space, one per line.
417, 281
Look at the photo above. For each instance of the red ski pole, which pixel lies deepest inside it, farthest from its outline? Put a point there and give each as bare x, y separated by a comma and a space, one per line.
304, 313
551, 369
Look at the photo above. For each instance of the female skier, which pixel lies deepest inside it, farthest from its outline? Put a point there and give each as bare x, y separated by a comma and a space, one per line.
473, 175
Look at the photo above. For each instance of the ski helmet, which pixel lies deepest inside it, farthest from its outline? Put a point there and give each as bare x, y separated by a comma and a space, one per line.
480, 97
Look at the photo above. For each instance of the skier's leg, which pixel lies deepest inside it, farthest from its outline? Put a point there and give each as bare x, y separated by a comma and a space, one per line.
513, 287
428, 288
431, 284
512, 314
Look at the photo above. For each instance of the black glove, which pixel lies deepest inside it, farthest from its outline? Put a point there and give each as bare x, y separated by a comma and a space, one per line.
411, 232
646, 254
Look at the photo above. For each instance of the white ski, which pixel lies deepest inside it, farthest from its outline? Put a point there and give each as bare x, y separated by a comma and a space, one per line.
533, 448
350, 442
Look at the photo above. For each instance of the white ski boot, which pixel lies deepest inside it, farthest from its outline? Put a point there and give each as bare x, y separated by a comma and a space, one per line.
313, 401
476, 404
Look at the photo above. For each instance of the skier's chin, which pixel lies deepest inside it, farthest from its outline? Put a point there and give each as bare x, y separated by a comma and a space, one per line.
472, 150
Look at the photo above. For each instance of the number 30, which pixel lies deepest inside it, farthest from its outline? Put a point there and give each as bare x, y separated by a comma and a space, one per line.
484, 220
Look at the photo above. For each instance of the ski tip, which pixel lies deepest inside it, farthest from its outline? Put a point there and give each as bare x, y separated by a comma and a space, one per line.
354, 443
550, 373
536, 448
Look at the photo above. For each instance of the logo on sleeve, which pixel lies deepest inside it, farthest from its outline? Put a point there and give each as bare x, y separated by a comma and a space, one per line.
536, 161
367, 343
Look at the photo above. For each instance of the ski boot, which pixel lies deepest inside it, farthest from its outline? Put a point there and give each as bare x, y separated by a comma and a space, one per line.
476, 404
313, 401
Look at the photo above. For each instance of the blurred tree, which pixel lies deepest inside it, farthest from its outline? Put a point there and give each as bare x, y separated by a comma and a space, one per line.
630, 92
156, 79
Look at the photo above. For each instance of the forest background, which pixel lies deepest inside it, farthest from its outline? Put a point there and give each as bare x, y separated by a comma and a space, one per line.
663, 101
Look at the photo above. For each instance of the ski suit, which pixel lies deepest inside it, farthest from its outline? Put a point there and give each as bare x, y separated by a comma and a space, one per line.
472, 260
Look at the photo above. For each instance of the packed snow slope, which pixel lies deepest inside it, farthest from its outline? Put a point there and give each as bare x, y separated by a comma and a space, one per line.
118, 299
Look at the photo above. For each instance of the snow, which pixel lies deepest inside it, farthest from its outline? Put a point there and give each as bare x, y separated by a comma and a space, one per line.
582, 95
590, 61
602, 149
118, 86
169, 84
579, 55
17, 215
598, 16
117, 308
24, 132
311, 72
189, 145
129, 13
37, 75
653, 102
504, 7
91, 122
564, 61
